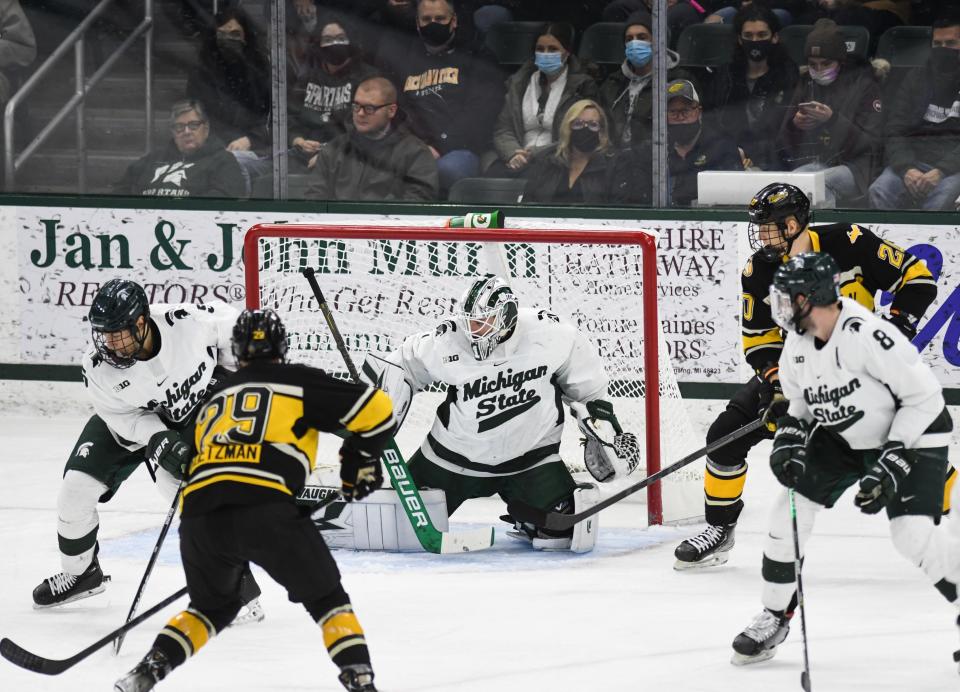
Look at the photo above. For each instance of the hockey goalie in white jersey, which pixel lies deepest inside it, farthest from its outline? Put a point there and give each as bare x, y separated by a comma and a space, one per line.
510, 374
864, 409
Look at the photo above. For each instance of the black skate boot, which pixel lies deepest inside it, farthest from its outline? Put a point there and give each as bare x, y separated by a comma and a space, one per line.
357, 678
154, 667
63, 588
759, 641
709, 548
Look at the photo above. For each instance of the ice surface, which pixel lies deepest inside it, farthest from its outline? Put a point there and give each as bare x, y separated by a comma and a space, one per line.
501, 621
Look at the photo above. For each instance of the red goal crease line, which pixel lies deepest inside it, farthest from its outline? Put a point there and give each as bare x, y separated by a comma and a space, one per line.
645, 240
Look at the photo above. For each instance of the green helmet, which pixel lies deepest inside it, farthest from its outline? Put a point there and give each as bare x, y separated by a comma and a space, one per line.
815, 276
488, 314
259, 334
774, 204
116, 308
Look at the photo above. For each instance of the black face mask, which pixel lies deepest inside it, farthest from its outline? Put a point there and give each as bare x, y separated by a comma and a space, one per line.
757, 50
683, 133
435, 34
584, 139
945, 60
230, 48
336, 53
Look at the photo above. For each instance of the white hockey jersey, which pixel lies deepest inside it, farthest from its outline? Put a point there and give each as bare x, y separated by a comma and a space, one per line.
502, 415
867, 383
153, 395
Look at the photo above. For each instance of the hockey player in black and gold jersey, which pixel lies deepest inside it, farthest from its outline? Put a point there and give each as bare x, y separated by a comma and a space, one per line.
255, 446
779, 218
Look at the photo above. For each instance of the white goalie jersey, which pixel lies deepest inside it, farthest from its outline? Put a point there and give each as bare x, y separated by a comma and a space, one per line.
867, 383
152, 395
502, 415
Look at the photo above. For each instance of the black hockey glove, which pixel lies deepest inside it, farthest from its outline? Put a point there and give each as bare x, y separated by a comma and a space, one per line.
168, 450
788, 460
905, 322
771, 404
883, 479
360, 474
603, 410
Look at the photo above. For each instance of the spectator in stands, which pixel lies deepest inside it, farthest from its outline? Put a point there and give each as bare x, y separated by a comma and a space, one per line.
784, 10
452, 92
694, 145
18, 46
194, 163
302, 27
320, 104
875, 15
579, 168
753, 93
834, 122
232, 78
922, 134
626, 93
378, 160
538, 95
680, 14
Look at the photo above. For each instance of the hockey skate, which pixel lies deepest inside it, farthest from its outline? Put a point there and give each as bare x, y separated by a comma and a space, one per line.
252, 612
709, 548
759, 641
154, 667
357, 678
537, 538
63, 588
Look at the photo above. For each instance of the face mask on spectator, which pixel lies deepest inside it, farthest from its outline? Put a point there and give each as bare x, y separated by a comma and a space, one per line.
945, 60
683, 133
757, 50
336, 53
548, 63
436, 34
230, 47
584, 139
825, 76
639, 52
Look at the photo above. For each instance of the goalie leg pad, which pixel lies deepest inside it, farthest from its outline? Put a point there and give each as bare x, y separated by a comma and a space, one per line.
585, 532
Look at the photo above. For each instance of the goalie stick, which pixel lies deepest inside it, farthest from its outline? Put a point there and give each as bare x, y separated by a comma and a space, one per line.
52, 666
150, 563
558, 522
432, 540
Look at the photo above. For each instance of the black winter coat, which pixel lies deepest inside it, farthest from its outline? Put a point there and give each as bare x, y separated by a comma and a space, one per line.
549, 180
210, 171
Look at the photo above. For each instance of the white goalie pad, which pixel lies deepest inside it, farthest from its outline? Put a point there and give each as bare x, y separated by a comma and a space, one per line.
389, 377
585, 532
607, 455
376, 522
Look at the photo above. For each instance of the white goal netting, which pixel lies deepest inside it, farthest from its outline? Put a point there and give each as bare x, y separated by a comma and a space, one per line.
385, 283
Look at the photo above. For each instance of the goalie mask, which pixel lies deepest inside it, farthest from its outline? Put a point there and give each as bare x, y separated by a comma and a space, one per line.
813, 275
488, 314
113, 316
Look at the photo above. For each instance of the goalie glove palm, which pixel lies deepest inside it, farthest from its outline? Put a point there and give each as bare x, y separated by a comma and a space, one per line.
788, 460
883, 479
360, 474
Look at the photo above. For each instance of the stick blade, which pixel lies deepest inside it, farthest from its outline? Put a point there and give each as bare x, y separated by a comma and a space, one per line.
805, 681
19, 656
466, 541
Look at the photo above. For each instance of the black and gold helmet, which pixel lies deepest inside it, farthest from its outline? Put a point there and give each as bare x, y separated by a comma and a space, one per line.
259, 334
774, 204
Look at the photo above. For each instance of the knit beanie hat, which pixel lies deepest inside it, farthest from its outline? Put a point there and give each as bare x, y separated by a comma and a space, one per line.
825, 41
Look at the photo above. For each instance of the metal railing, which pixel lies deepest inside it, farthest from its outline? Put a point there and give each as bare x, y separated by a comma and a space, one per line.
82, 87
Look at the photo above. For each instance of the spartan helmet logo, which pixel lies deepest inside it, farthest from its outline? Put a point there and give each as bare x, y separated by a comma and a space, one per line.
83, 451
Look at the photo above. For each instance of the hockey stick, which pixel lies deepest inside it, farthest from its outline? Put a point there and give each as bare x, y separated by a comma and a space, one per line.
432, 540
798, 567
558, 522
52, 666
150, 563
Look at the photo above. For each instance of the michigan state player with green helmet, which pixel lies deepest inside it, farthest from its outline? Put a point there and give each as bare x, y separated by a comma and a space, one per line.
511, 375
146, 375
780, 229
863, 410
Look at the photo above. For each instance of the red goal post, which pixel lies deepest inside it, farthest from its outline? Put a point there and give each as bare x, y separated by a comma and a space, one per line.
256, 258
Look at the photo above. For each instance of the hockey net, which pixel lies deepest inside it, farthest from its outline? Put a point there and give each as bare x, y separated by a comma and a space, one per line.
383, 283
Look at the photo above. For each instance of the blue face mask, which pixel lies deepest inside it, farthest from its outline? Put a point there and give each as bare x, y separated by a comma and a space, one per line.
548, 63
639, 52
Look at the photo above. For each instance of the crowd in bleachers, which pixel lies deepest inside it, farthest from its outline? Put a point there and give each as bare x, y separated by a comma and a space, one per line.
470, 100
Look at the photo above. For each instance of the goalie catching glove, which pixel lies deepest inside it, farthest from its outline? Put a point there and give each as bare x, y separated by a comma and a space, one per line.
608, 451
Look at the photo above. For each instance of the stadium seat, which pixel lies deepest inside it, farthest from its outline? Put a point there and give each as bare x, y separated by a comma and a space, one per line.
487, 190
706, 45
905, 46
512, 42
602, 43
794, 36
